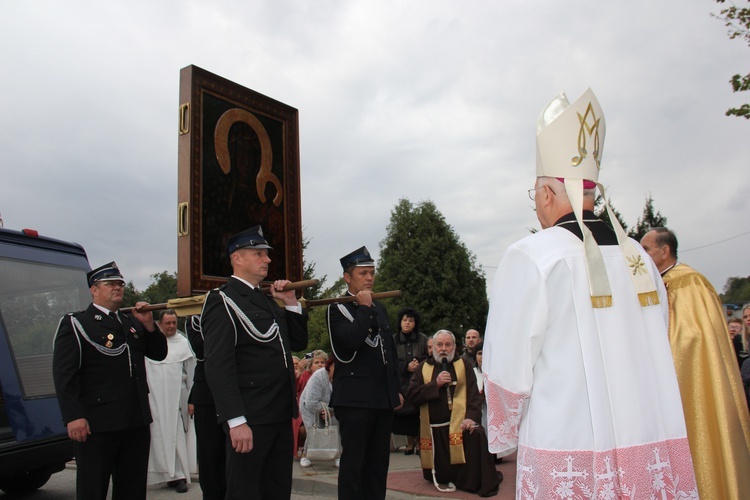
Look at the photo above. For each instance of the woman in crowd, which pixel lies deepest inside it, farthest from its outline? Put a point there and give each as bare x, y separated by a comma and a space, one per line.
745, 368
316, 394
315, 362
736, 328
312, 362
480, 380
411, 349
296, 422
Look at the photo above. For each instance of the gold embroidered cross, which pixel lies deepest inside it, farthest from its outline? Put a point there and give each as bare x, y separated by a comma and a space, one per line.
637, 265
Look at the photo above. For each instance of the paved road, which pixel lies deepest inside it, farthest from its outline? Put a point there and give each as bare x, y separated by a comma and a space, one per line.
62, 486
319, 482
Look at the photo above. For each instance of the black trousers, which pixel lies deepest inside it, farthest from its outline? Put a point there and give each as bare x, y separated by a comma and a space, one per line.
212, 454
123, 455
366, 443
265, 472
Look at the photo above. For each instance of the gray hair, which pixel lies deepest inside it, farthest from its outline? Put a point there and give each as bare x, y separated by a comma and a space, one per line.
442, 332
558, 188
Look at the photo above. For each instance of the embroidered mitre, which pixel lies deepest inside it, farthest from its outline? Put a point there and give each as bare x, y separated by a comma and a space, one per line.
569, 144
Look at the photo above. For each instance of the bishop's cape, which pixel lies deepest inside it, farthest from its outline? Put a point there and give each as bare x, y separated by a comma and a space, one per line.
588, 396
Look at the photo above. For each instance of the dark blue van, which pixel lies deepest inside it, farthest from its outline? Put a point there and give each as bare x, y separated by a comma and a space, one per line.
41, 279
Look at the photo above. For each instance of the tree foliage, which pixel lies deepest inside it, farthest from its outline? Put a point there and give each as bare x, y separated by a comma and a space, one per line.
601, 211
316, 326
647, 221
131, 295
736, 291
308, 273
423, 257
737, 19
163, 287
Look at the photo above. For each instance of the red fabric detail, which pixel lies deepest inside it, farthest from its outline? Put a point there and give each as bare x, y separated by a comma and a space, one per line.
662, 470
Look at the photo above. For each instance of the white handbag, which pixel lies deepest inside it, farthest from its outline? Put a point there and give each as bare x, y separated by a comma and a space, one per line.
323, 441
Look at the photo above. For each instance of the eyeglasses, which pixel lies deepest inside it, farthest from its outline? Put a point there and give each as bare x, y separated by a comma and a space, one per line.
112, 284
531, 193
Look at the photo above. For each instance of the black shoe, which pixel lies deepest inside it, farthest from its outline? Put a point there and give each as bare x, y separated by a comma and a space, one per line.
409, 451
181, 486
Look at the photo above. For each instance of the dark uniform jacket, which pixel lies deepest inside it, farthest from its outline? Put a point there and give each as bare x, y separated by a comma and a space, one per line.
200, 394
248, 377
111, 392
371, 379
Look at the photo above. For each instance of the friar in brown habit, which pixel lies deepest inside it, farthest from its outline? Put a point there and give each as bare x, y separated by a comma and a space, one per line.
453, 444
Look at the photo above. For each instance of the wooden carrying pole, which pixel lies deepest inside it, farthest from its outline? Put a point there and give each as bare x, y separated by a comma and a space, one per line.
347, 298
193, 305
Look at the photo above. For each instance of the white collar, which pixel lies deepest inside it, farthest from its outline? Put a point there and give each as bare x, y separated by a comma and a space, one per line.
103, 309
244, 281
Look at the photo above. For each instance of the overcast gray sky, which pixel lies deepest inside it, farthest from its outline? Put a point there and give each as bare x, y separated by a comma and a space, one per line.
420, 99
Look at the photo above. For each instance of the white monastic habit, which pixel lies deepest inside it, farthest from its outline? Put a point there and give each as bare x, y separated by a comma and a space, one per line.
588, 395
173, 453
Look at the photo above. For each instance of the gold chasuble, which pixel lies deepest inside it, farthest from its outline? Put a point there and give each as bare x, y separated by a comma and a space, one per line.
716, 414
455, 434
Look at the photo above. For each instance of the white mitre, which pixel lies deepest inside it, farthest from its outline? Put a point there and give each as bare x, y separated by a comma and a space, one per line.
569, 143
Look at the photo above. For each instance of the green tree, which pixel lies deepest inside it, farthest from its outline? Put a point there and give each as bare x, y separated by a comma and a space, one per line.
317, 324
736, 291
423, 257
647, 221
317, 328
737, 19
308, 273
131, 295
162, 288
601, 211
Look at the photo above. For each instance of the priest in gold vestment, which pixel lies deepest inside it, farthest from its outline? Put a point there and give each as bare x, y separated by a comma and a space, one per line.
716, 414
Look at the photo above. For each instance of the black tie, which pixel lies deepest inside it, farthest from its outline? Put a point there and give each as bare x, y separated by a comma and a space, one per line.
114, 316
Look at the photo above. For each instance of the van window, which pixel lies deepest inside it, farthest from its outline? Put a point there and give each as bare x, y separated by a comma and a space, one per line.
33, 299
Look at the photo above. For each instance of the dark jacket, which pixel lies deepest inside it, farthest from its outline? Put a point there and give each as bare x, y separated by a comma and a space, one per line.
248, 377
200, 394
370, 379
409, 347
110, 391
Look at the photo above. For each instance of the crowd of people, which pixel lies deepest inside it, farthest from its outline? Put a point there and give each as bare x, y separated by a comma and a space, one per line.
607, 367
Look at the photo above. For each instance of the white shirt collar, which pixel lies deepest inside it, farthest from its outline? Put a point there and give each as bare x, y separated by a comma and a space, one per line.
103, 309
245, 282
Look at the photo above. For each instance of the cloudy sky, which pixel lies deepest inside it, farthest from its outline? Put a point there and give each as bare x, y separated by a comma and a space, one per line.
419, 99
